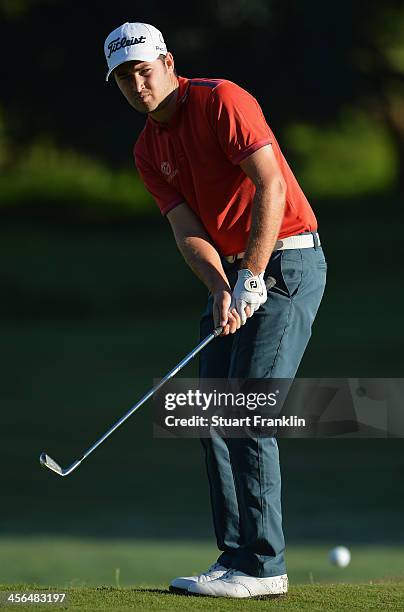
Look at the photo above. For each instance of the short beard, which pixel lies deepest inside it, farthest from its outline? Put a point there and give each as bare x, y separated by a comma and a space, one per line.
163, 103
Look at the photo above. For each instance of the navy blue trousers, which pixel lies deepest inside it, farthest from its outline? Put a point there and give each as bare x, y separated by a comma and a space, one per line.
244, 473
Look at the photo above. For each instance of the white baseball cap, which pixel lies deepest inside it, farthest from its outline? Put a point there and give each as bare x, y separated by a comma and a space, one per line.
133, 41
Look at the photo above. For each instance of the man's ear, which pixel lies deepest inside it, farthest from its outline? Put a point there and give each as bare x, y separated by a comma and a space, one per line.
169, 61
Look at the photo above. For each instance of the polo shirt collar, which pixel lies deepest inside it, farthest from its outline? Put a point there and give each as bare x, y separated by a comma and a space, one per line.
182, 95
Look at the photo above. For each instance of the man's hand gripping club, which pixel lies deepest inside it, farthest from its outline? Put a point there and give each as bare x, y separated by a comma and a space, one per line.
231, 310
248, 294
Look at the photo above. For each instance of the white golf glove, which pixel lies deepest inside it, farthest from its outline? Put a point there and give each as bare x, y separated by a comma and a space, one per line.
249, 291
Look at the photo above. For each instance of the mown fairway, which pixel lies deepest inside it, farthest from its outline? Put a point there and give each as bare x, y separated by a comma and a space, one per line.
76, 562
313, 598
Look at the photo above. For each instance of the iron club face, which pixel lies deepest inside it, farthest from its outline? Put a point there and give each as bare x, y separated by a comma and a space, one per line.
48, 462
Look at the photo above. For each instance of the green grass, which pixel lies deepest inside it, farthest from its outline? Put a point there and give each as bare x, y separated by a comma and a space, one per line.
313, 598
66, 562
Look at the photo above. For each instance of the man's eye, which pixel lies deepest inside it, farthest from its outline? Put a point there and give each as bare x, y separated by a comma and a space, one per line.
146, 71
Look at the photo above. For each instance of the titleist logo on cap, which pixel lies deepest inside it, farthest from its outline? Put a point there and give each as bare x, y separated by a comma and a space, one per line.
120, 43
133, 42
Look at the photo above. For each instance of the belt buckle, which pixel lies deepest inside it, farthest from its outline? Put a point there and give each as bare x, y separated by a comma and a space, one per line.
234, 258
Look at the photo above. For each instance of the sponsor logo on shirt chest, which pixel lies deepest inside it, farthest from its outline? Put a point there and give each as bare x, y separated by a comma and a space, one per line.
168, 171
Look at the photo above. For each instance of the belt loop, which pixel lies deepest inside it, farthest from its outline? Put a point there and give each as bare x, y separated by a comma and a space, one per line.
315, 240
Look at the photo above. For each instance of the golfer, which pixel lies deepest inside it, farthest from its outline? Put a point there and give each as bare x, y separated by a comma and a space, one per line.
215, 169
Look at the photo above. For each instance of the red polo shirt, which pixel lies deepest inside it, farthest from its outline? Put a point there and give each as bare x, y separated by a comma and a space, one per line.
195, 159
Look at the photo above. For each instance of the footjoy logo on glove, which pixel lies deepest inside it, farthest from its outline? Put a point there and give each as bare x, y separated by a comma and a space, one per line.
251, 284
120, 43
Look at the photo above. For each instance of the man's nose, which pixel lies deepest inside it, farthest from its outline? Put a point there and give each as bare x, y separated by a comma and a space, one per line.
139, 83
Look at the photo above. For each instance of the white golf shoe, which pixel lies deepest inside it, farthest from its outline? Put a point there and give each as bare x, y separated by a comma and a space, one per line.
237, 584
181, 584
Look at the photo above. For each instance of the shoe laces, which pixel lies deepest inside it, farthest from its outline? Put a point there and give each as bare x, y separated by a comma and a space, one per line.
229, 574
213, 568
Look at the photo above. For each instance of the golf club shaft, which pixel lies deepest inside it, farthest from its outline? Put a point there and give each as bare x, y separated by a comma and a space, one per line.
216, 332
270, 282
51, 464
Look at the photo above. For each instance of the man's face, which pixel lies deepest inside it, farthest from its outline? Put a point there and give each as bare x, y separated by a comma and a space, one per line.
145, 85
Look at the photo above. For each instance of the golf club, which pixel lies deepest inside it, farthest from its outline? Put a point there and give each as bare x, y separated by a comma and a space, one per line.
48, 462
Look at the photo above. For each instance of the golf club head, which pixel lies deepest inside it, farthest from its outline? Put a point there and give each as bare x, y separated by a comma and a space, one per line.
49, 463
270, 282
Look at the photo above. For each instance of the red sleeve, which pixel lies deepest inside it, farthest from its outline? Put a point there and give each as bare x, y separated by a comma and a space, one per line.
238, 121
165, 196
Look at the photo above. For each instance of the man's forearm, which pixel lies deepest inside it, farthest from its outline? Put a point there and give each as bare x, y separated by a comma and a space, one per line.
267, 214
204, 261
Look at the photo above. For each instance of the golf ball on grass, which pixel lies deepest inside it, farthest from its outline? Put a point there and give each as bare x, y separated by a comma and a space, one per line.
339, 556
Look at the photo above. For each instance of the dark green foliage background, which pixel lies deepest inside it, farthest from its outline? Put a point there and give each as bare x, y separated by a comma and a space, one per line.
95, 300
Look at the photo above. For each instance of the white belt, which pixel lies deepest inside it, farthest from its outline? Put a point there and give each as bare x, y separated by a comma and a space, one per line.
300, 241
